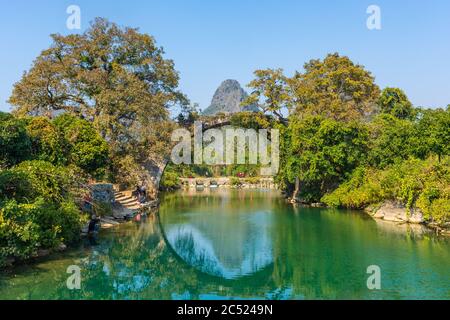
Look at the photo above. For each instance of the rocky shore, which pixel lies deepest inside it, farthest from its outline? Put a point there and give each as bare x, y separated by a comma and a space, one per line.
393, 211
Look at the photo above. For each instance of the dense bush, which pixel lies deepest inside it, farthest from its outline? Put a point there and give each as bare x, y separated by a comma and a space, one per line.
38, 208
424, 184
45, 165
170, 180
27, 227
322, 153
47, 141
64, 141
433, 133
15, 144
86, 148
251, 120
48, 181
391, 139
15, 185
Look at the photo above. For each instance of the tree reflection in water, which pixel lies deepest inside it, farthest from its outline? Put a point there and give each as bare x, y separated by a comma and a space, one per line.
243, 244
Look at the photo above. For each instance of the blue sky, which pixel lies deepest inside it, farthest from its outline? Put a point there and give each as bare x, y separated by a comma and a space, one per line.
211, 41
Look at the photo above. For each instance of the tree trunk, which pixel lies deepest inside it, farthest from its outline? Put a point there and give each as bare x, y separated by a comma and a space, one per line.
297, 189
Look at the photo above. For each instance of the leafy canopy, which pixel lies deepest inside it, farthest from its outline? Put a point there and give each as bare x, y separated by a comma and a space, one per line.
335, 88
323, 152
15, 144
115, 77
85, 147
395, 102
270, 92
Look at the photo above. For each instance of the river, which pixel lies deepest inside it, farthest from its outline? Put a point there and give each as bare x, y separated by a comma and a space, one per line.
243, 244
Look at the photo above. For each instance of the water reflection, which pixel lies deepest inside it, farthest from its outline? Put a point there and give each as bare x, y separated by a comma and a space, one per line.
243, 244
218, 237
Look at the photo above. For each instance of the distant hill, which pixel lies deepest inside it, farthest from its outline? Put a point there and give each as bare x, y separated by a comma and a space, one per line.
228, 98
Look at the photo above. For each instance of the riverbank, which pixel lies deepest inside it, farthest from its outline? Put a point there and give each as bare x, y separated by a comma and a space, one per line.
393, 212
233, 243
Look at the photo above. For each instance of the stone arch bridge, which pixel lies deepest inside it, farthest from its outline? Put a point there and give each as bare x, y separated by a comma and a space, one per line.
155, 168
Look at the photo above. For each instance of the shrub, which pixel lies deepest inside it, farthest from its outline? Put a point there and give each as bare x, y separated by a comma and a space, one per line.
26, 227
252, 180
392, 139
15, 185
170, 180
46, 141
50, 182
422, 184
37, 208
15, 145
322, 153
87, 149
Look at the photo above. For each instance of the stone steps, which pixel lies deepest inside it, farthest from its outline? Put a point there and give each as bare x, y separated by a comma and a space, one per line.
127, 204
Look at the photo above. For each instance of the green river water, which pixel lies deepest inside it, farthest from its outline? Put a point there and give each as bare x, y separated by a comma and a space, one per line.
243, 244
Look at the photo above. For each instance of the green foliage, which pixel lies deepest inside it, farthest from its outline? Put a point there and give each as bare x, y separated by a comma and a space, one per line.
323, 152
37, 208
15, 145
27, 227
433, 133
65, 141
102, 209
5, 116
252, 180
15, 185
395, 102
285, 152
86, 148
54, 184
361, 190
270, 92
391, 139
46, 140
118, 79
423, 184
170, 181
188, 115
251, 120
249, 170
334, 87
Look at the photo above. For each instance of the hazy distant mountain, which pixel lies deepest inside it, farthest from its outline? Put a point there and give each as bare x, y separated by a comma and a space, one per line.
228, 98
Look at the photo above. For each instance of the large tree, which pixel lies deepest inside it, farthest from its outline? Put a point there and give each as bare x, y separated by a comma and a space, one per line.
115, 77
335, 88
270, 92
322, 152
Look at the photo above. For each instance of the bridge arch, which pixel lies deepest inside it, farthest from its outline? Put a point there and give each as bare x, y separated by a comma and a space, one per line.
156, 169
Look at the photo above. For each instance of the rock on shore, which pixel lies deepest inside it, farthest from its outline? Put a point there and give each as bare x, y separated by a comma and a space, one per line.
396, 212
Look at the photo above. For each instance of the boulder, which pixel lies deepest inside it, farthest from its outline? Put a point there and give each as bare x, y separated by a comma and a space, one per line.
396, 212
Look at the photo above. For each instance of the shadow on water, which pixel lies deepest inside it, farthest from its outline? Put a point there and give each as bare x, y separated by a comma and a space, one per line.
243, 244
